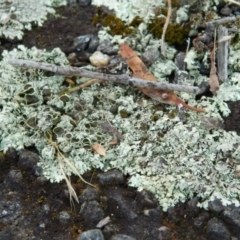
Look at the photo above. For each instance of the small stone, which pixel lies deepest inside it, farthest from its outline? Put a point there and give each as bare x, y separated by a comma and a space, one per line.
193, 209
201, 220
91, 212
107, 48
99, 59
81, 42
13, 179
150, 56
64, 216
164, 233
232, 218
27, 159
226, 11
37, 170
155, 214
85, 3
146, 199
92, 47
89, 194
113, 177
72, 58
217, 230
122, 237
94, 234
216, 206
120, 206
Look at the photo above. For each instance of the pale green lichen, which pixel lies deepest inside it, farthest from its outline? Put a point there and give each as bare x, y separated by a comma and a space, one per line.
17, 16
172, 159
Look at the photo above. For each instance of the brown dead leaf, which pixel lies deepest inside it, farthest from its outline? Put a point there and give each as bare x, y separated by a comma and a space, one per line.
140, 71
98, 148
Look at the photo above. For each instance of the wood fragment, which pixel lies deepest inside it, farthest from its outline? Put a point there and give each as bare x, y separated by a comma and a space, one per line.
140, 71
213, 78
169, 12
123, 78
222, 57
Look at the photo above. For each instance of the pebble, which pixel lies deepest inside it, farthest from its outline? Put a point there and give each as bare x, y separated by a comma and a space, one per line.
89, 194
232, 218
94, 234
85, 3
106, 47
193, 209
14, 179
92, 47
91, 212
216, 230
201, 220
146, 199
150, 56
64, 216
27, 159
216, 206
164, 233
113, 177
226, 11
121, 237
119, 205
99, 59
81, 42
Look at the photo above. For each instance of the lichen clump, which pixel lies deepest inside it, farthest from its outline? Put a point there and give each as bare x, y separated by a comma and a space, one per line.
172, 159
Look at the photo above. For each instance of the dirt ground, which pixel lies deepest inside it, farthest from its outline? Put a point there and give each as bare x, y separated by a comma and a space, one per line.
60, 32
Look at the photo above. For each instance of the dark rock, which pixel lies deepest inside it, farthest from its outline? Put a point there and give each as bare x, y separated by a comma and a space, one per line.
81, 42
10, 211
113, 177
146, 199
173, 214
13, 180
155, 214
94, 234
150, 56
179, 60
225, 11
164, 233
89, 194
106, 47
201, 220
119, 205
41, 180
217, 230
121, 237
5, 235
193, 209
92, 47
232, 218
27, 159
64, 217
11, 155
85, 3
91, 212
37, 170
216, 206
46, 208
110, 230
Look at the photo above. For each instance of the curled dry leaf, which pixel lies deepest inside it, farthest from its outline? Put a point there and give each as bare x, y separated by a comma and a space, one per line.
98, 148
140, 71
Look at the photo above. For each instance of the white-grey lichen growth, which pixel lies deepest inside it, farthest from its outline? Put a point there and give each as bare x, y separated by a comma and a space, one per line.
17, 16
174, 160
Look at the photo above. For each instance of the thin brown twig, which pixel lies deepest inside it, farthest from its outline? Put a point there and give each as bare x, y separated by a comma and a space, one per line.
86, 84
123, 78
169, 12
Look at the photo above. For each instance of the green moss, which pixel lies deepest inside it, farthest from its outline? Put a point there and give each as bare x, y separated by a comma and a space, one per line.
175, 33
115, 24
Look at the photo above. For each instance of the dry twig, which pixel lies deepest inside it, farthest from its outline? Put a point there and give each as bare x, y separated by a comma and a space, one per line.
123, 79
165, 27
